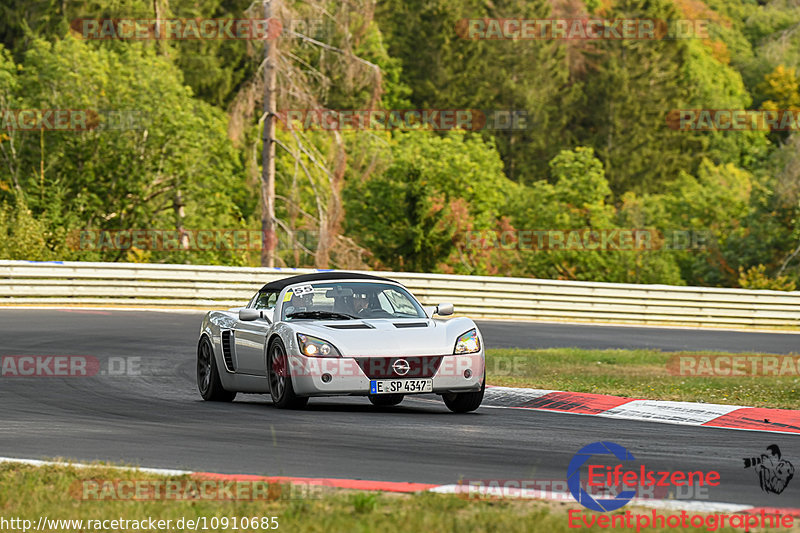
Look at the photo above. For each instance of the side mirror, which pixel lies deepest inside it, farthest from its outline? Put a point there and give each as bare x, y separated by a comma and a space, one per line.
444, 309
247, 315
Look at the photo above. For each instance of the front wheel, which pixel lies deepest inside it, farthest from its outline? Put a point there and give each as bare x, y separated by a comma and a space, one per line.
280, 379
464, 402
208, 381
386, 400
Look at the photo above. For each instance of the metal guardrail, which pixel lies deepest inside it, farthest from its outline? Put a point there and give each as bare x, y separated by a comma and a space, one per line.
135, 284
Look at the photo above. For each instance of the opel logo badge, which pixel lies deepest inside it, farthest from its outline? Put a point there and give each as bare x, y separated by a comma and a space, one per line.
401, 367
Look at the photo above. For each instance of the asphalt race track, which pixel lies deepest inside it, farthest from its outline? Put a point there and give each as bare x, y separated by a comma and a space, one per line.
157, 418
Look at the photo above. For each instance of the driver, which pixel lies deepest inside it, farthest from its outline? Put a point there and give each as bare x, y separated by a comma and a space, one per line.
361, 304
302, 302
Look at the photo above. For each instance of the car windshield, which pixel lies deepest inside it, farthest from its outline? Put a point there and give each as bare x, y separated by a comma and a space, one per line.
349, 300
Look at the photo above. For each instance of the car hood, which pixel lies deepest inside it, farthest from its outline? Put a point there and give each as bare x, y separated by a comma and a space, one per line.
385, 337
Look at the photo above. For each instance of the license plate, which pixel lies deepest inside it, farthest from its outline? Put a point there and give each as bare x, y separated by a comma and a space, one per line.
400, 386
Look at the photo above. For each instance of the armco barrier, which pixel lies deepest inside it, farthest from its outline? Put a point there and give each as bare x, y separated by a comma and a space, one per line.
157, 285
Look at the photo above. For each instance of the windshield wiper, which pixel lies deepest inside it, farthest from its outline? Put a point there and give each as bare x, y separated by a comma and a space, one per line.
320, 315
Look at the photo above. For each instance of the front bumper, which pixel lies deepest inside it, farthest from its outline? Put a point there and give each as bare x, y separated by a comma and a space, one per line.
346, 377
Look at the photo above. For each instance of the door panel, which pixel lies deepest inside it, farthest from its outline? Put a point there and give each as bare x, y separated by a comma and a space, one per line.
251, 336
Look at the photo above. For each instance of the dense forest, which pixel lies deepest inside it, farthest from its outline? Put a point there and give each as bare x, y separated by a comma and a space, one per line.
176, 142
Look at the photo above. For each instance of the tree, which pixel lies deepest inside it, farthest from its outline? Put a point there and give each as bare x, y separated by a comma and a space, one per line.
718, 202
572, 213
305, 75
452, 71
414, 214
154, 172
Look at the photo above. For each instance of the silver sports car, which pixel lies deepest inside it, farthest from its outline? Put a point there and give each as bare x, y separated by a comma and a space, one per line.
338, 333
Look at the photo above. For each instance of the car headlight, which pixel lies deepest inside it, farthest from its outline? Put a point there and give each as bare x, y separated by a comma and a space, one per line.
468, 343
314, 347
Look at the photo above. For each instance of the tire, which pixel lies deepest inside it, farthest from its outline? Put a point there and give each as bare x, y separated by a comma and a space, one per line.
465, 402
208, 382
386, 400
280, 379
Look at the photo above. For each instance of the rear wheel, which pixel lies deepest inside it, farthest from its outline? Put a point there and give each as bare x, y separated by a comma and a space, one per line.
208, 382
386, 400
464, 402
280, 379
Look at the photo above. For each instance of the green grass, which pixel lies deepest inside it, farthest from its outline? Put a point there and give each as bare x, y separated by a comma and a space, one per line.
30, 492
634, 373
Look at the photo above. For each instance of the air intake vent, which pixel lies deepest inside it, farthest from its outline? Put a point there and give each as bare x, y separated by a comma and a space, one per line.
383, 367
411, 324
227, 350
348, 326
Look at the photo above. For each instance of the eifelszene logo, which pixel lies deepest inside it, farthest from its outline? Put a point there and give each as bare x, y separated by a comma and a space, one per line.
623, 484
574, 476
774, 472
